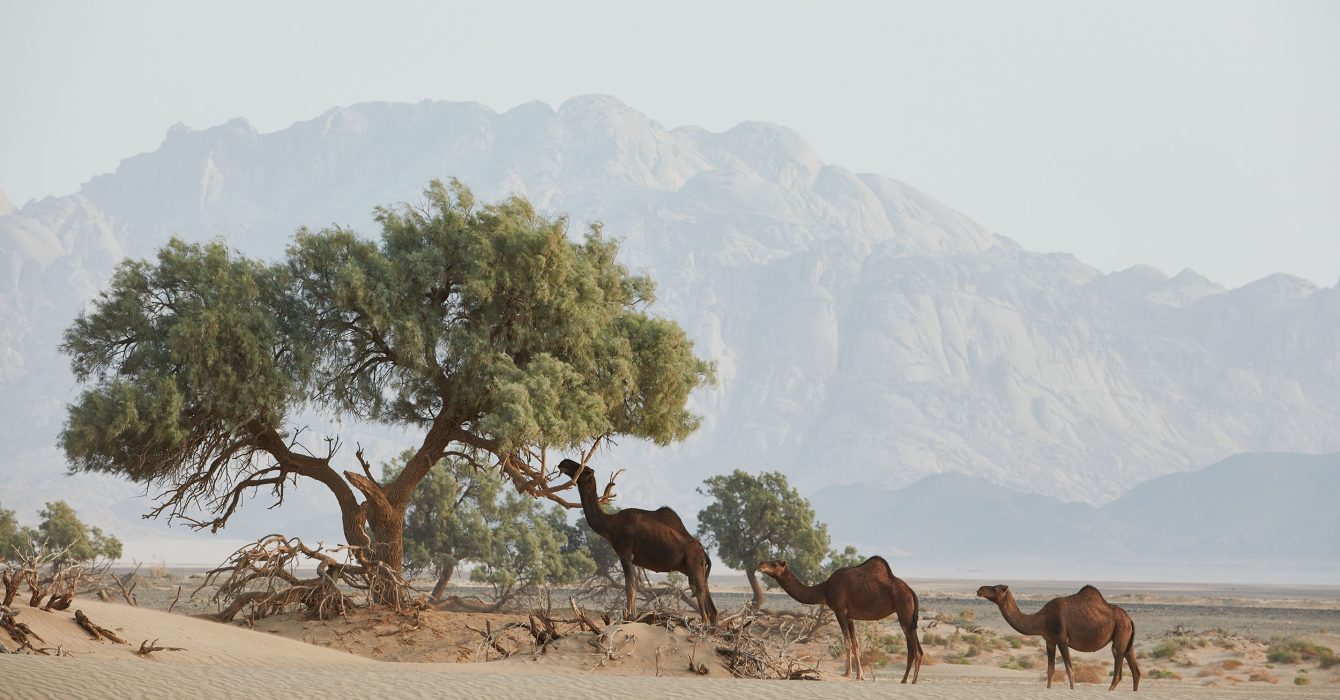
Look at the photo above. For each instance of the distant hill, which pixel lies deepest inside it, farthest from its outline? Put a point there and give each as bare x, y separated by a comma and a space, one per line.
1255, 511
864, 331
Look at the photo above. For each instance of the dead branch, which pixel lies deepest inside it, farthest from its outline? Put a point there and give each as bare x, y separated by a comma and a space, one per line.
96, 631
261, 579
129, 594
175, 599
147, 648
19, 631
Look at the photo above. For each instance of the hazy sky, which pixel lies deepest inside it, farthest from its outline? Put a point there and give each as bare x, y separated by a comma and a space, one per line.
1201, 134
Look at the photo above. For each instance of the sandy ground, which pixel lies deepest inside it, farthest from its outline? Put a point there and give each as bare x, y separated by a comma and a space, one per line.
232, 661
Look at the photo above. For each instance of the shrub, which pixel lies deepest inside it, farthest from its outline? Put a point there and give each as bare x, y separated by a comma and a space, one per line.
1169, 648
1302, 680
1292, 651
1019, 663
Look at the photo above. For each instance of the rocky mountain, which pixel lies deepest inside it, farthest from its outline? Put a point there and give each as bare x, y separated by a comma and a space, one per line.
1252, 517
864, 332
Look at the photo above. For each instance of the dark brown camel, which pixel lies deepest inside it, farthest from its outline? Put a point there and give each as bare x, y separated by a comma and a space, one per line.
1084, 622
868, 591
652, 539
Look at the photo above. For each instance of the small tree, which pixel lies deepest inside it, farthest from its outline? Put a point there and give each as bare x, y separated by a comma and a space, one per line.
532, 547
13, 537
62, 529
836, 560
757, 518
484, 329
450, 519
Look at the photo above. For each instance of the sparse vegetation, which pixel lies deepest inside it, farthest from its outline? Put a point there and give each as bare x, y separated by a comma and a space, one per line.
1019, 663
1292, 651
1163, 674
1263, 677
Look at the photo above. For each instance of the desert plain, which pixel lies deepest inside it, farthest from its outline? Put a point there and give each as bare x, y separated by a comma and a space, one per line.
1194, 641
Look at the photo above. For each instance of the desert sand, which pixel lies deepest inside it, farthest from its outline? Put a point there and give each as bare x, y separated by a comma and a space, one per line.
225, 661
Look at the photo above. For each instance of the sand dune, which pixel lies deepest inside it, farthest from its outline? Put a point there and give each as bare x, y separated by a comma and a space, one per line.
225, 661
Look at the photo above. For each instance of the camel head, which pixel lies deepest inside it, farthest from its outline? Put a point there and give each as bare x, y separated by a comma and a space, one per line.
571, 469
773, 568
994, 594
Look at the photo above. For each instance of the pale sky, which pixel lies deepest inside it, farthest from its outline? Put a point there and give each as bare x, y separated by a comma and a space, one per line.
1195, 134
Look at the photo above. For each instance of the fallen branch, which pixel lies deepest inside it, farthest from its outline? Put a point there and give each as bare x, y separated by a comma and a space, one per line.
147, 648
96, 631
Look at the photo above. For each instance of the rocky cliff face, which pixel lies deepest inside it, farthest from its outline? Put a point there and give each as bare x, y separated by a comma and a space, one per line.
864, 331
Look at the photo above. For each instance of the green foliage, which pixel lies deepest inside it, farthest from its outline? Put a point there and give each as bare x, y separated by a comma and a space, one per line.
1019, 663
532, 546
485, 326
460, 513
451, 515
837, 560
14, 538
1292, 651
60, 528
757, 518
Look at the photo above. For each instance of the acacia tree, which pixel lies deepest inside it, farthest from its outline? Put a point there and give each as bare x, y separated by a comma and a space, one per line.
758, 518
485, 329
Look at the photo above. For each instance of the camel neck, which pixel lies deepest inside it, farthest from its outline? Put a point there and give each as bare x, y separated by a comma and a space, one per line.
809, 595
596, 516
1022, 623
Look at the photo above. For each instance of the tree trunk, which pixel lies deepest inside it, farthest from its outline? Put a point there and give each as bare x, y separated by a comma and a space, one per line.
443, 578
755, 584
388, 536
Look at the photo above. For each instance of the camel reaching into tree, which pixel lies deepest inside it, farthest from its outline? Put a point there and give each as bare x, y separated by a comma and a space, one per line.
652, 539
868, 591
1084, 622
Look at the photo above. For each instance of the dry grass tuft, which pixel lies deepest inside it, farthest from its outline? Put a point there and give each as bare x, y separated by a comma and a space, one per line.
1230, 664
1263, 677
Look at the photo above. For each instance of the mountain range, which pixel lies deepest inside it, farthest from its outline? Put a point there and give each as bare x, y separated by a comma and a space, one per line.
1243, 519
864, 332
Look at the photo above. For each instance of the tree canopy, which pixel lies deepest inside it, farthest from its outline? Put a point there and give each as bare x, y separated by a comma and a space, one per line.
758, 518
484, 328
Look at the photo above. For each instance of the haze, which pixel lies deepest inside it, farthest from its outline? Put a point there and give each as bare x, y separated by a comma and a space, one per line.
1190, 135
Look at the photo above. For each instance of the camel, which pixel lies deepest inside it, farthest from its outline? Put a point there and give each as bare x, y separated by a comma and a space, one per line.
868, 591
652, 539
1084, 621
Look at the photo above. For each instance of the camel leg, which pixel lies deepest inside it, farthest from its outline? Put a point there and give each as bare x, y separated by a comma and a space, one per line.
629, 587
921, 653
1065, 656
1051, 661
1118, 655
845, 626
912, 648
1135, 668
856, 651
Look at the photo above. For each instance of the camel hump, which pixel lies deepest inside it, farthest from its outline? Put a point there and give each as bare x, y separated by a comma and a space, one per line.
668, 514
880, 562
1088, 590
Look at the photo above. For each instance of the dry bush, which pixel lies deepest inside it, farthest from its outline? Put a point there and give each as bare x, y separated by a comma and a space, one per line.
1263, 676
260, 580
1230, 664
